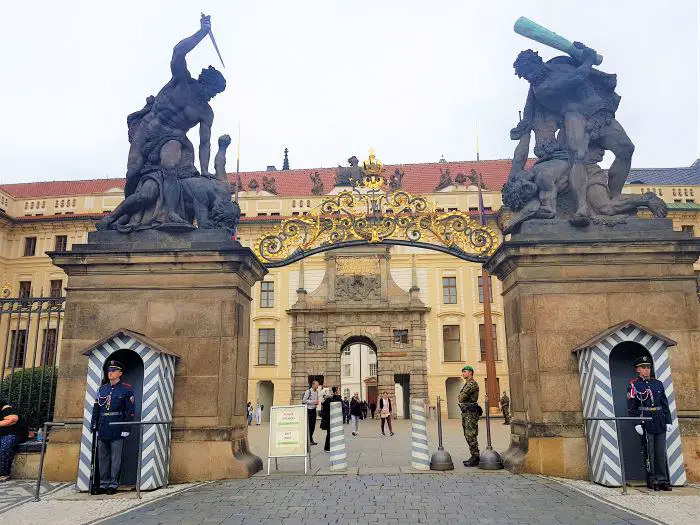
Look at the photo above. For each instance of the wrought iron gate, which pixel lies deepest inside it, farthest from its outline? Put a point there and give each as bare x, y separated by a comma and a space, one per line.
30, 335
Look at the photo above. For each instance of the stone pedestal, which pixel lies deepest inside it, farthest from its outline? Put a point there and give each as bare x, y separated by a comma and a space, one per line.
561, 286
188, 291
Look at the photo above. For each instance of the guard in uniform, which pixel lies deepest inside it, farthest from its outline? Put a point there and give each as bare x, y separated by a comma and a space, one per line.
467, 399
646, 397
115, 402
505, 408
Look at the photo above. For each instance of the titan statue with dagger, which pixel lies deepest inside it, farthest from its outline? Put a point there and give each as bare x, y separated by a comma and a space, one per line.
571, 109
163, 187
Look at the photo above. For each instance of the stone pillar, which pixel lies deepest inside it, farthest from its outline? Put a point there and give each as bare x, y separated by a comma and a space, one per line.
563, 285
190, 292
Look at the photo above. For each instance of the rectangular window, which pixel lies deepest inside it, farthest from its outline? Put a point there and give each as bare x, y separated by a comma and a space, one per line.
347, 370
482, 342
689, 229
267, 294
317, 338
56, 288
481, 289
266, 346
61, 243
25, 289
449, 290
401, 336
450, 343
373, 369
29, 246
49, 347
346, 350
19, 348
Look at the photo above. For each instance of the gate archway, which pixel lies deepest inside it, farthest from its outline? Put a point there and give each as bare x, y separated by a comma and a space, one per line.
371, 213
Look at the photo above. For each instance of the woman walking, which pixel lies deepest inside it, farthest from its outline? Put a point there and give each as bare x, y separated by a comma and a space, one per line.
355, 413
13, 431
258, 413
326, 415
385, 411
249, 412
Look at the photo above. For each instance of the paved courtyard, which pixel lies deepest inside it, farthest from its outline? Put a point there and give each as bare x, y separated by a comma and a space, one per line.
370, 452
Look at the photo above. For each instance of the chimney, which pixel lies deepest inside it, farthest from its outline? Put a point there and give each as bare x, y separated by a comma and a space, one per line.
271, 168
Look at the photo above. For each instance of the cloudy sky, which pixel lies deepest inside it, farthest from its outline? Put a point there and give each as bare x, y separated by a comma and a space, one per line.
329, 78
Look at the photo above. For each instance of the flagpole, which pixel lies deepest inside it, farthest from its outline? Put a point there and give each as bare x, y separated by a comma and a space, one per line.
489, 459
238, 162
477, 141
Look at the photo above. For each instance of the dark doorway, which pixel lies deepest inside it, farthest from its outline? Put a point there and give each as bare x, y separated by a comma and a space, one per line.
621, 372
134, 376
403, 381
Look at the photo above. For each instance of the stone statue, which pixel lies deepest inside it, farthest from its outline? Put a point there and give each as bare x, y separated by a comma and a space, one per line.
253, 185
445, 179
460, 178
269, 185
544, 191
317, 184
208, 199
396, 180
345, 176
161, 156
569, 94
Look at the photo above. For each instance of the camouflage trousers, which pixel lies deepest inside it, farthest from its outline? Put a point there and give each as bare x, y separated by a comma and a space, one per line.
470, 424
506, 412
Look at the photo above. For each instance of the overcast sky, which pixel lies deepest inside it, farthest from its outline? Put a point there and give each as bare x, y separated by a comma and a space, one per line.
329, 79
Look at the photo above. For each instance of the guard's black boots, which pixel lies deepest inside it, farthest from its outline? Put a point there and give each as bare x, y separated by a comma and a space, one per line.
471, 462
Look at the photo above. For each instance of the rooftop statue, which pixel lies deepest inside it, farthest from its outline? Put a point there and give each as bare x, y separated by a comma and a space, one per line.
158, 191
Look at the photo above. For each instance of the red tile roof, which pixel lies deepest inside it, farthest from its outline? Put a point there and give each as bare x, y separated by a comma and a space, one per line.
418, 179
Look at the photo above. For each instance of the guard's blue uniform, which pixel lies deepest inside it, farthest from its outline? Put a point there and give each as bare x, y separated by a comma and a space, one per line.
647, 398
113, 403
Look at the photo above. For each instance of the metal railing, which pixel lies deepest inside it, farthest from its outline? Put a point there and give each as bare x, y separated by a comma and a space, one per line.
48, 425
140, 424
30, 334
619, 445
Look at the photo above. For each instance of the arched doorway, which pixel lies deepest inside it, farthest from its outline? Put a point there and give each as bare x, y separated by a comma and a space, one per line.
133, 375
452, 387
358, 368
265, 394
621, 372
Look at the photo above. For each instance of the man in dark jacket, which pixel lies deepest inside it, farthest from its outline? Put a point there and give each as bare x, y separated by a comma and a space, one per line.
114, 403
326, 417
646, 397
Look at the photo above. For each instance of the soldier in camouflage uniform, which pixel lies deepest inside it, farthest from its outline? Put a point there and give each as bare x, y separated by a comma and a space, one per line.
468, 397
505, 408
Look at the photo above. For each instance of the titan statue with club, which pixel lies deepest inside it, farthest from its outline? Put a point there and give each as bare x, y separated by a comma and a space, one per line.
567, 93
161, 156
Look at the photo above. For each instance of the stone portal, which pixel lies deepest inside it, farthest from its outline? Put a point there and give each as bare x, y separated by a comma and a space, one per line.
358, 300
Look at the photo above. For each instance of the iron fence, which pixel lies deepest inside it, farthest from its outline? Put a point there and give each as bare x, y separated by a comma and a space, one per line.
30, 335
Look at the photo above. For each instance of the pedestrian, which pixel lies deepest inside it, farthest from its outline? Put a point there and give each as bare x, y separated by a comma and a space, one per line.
13, 431
326, 418
364, 409
355, 413
646, 397
310, 399
346, 411
385, 411
115, 403
258, 413
505, 408
373, 408
249, 413
467, 399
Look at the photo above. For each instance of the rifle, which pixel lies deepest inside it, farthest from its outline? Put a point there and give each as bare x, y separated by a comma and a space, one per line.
93, 469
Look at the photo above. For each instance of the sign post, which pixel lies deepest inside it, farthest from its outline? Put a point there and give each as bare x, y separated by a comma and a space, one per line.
288, 434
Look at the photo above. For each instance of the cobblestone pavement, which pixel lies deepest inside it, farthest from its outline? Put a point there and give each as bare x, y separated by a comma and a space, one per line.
406, 499
370, 451
14, 493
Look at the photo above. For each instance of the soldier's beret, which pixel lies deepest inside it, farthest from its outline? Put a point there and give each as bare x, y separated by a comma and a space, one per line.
645, 360
467, 367
115, 364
